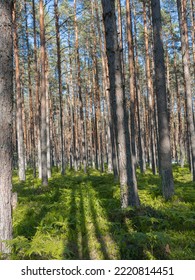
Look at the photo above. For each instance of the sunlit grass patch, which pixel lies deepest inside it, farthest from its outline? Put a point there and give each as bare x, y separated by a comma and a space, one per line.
78, 216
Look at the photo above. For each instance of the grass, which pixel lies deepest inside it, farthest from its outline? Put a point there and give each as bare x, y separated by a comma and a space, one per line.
79, 217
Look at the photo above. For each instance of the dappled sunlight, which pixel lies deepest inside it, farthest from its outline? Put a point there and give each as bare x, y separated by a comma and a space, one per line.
78, 216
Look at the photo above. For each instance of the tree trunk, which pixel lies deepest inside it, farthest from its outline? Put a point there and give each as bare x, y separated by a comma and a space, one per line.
20, 133
59, 85
182, 10
120, 35
142, 163
6, 95
31, 113
81, 118
128, 182
192, 17
179, 110
43, 98
37, 85
131, 77
149, 91
105, 91
48, 116
163, 125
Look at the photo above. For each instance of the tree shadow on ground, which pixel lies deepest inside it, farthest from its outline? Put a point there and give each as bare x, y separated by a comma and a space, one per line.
151, 230
84, 212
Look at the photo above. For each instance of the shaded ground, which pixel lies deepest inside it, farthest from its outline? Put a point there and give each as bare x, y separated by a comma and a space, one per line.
78, 217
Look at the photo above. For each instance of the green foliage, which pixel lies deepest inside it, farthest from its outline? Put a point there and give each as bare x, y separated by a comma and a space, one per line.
78, 216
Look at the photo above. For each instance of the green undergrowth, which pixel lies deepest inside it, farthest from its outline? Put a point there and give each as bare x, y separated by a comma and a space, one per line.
78, 216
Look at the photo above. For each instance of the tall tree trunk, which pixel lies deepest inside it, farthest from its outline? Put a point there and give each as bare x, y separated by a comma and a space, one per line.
105, 91
20, 133
48, 117
182, 10
59, 85
31, 114
120, 35
111, 129
98, 115
81, 118
132, 77
149, 91
163, 125
43, 98
128, 182
111, 147
179, 115
73, 111
179, 103
192, 17
6, 94
37, 98
142, 163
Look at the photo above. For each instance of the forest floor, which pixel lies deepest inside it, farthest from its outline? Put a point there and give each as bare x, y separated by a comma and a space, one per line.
78, 216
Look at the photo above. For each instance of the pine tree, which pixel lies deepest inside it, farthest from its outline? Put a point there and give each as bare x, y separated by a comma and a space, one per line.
6, 95
128, 182
163, 125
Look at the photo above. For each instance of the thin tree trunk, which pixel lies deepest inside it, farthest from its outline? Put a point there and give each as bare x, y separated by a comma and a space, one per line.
179, 110
37, 85
31, 114
48, 117
81, 119
59, 85
182, 10
20, 133
149, 91
142, 163
43, 98
120, 35
98, 115
131, 78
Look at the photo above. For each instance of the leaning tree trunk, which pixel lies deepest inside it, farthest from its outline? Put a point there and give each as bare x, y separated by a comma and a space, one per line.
163, 124
6, 91
128, 182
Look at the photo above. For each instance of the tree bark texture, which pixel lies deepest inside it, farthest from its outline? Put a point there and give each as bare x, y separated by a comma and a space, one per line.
43, 98
6, 94
182, 11
128, 182
19, 101
58, 43
163, 124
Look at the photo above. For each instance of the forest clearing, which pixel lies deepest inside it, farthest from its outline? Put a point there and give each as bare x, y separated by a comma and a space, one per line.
97, 130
